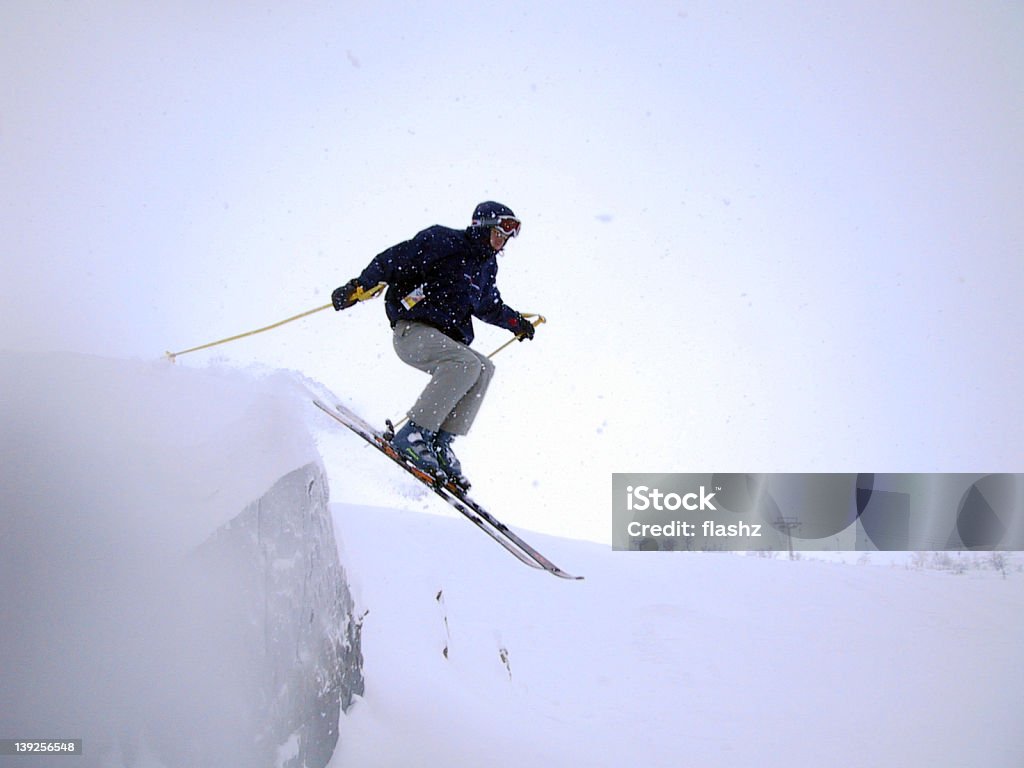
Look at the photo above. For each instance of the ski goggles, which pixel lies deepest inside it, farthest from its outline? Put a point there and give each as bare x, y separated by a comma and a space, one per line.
508, 225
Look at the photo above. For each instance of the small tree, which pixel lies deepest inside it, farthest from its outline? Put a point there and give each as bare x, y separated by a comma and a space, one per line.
1000, 562
919, 561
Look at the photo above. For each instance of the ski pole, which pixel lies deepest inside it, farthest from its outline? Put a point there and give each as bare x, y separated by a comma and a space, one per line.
519, 337
173, 355
361, 296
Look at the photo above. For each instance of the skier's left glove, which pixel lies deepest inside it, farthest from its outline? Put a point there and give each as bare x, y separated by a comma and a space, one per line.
522, 327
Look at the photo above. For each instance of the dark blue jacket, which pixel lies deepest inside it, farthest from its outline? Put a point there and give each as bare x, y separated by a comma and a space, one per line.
454, 269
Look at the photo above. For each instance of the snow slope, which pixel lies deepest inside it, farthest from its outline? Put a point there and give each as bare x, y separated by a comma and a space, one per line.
668, 659
191, 446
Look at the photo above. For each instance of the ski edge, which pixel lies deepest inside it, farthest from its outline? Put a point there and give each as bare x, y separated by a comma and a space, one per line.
542, 561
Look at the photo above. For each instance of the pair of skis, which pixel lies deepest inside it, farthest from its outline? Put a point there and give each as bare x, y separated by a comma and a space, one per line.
451, 493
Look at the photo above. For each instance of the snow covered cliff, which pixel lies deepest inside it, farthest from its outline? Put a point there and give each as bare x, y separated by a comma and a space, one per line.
171, 587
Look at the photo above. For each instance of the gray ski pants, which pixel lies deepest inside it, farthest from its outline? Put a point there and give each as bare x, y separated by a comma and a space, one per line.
459, 377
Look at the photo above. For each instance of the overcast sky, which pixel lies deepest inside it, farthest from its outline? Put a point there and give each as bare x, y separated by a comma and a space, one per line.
768, 236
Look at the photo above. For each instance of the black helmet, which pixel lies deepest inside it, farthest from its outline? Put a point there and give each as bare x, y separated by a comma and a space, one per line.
492, 214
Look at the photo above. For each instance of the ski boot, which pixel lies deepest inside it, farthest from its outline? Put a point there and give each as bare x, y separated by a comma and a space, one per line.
416, 445
449, 462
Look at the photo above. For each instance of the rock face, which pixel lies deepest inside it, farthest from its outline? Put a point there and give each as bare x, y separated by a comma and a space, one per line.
170, 586
292, 613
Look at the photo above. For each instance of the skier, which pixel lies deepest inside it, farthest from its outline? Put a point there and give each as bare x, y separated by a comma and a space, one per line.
437, 282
